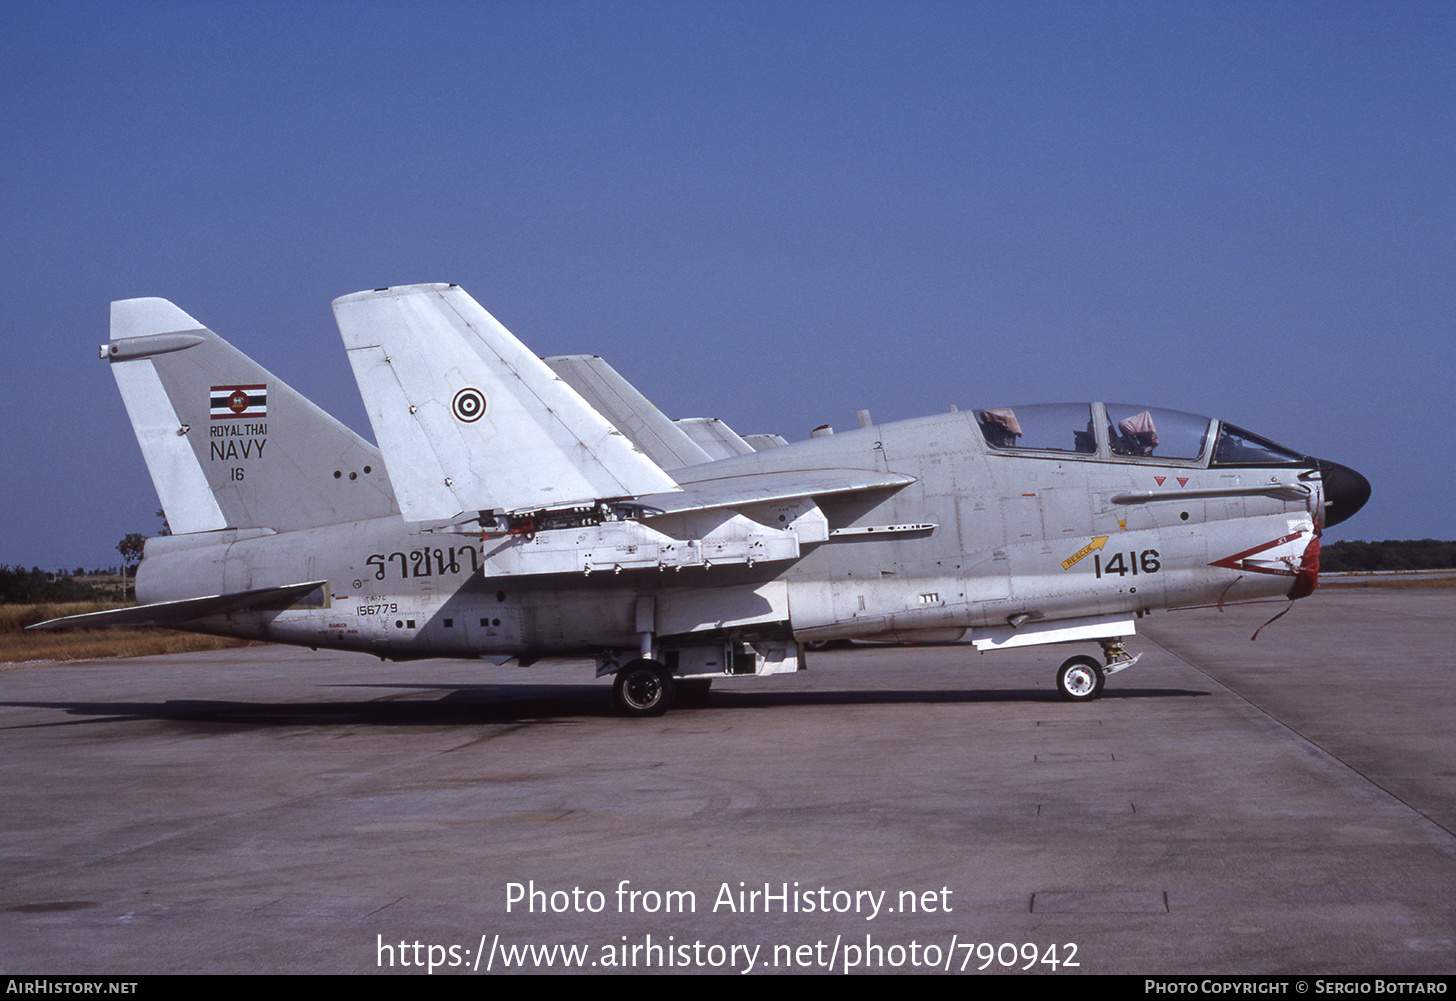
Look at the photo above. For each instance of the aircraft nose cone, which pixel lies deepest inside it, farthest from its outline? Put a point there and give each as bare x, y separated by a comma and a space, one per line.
1346, 491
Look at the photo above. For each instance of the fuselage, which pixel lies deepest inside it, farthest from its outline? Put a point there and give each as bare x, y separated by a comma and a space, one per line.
991, 530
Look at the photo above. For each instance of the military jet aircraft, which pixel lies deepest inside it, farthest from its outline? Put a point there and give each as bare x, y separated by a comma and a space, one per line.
519, 507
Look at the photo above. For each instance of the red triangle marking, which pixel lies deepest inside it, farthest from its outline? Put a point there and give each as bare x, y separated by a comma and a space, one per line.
1160, 479
1182, 481
1235, 562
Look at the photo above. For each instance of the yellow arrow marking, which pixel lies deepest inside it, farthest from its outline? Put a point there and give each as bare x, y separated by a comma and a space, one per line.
1097, 543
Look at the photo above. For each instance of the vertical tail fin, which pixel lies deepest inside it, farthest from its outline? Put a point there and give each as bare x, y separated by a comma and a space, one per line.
227, 443
470, 419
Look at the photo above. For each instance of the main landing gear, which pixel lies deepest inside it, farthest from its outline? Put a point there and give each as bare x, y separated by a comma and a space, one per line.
1080, 679
644, 688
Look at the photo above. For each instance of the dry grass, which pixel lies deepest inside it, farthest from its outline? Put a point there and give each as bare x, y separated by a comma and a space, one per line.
16, 644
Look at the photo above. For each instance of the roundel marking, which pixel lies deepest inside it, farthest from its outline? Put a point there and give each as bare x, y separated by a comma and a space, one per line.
468, 405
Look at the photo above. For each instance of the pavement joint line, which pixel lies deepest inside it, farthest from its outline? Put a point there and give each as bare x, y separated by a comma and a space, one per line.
1302, 736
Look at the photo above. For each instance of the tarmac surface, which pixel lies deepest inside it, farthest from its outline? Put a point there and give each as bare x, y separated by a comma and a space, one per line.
1227, 807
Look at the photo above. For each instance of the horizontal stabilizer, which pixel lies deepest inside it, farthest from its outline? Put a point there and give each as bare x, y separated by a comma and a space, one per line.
178, 614
469, 419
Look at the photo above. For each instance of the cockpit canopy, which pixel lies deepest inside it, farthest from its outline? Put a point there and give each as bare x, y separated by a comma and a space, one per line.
1125, 430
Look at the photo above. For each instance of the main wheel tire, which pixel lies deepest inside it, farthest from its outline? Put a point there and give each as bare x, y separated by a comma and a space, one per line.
644, 688
1080, 679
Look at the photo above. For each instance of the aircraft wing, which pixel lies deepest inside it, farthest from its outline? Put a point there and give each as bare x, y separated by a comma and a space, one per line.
469, 419
671, 444
633, 414
175, 614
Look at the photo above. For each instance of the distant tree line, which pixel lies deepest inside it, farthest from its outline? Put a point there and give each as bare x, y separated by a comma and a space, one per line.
19, 586
1392, 554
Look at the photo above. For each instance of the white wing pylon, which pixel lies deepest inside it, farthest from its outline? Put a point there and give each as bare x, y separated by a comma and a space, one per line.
470, 419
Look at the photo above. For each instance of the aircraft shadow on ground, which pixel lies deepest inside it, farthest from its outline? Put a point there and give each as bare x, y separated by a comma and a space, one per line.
465, 705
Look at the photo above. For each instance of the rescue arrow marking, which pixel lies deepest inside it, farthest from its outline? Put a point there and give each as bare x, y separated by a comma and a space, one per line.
1097, 543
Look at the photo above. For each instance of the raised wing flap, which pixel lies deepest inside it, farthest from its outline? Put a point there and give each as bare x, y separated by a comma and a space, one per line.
469, 419
714, 437
630, 412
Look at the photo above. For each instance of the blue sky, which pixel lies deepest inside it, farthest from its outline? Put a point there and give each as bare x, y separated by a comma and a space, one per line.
772, 213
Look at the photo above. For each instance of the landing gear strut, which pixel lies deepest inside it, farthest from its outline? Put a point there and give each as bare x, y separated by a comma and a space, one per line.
644, 688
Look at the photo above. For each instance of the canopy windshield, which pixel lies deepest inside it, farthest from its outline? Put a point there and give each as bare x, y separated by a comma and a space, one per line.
1237, 447
1133, 429
1046, 427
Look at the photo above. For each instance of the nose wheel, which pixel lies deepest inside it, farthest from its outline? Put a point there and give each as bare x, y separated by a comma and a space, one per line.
1080, 679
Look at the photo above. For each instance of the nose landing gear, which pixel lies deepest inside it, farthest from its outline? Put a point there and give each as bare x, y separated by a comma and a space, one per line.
1080, 678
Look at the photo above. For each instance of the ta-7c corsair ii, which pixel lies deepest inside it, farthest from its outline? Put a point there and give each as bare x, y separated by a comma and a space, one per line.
517, 507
